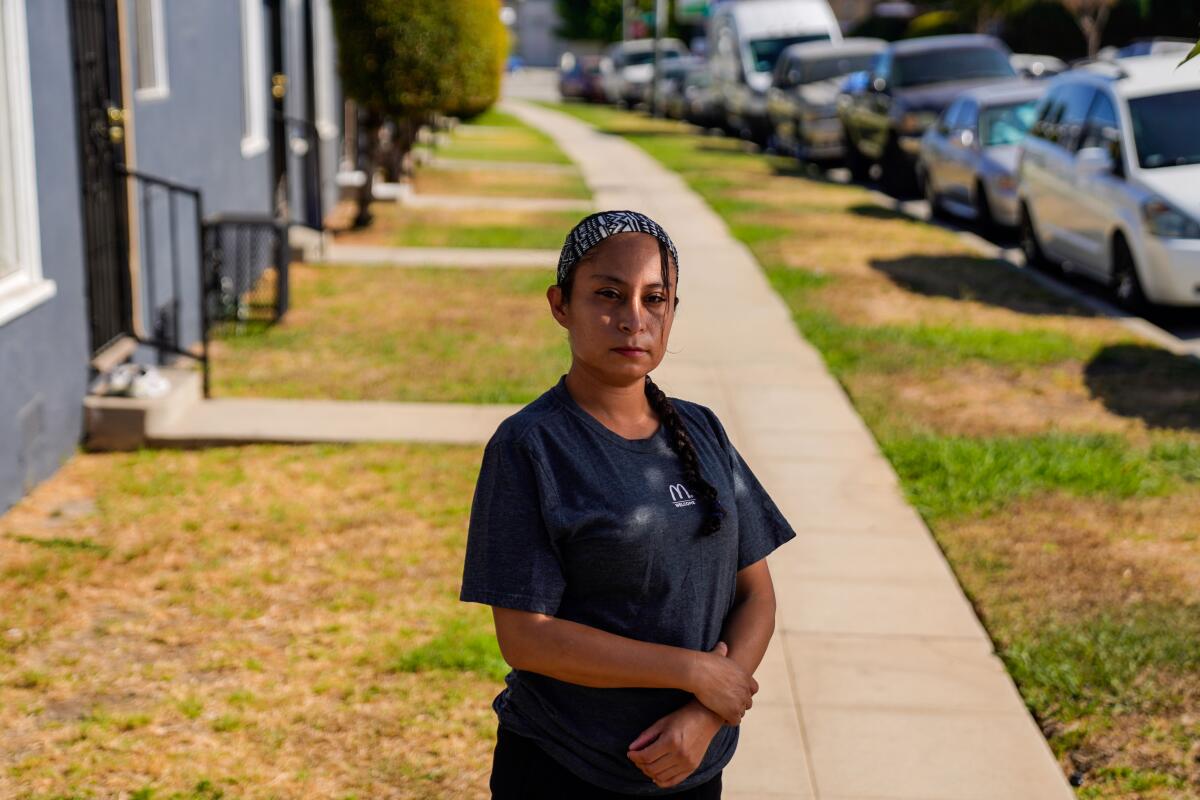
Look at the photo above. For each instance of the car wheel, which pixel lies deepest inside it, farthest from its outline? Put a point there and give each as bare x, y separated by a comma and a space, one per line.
983, 212
1034, 255
1126, 286
931, 196
859, 166
898, 177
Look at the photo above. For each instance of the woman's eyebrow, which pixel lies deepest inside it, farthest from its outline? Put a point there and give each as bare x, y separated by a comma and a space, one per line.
615, 279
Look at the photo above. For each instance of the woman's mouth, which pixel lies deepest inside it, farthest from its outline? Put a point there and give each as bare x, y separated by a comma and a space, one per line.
630, 352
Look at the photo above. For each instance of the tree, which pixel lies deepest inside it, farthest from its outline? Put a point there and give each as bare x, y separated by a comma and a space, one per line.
1090, 16
591, 20
986, 15
406, 60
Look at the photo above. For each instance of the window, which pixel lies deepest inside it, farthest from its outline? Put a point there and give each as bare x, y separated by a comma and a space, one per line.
765, 52
21, 283
949, 119
254, 79
1164, 129
937, 66
151, 50
1101, 129
1005, 124
968, 117
1076, 101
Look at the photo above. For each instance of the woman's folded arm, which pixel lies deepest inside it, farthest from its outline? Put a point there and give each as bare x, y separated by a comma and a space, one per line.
581, 654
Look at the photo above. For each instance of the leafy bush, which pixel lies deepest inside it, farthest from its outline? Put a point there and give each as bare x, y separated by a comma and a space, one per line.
409, 58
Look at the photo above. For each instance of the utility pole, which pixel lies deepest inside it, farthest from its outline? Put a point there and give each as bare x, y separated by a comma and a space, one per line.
660, 29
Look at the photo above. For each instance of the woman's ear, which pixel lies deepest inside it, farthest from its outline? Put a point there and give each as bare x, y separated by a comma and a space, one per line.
558, 305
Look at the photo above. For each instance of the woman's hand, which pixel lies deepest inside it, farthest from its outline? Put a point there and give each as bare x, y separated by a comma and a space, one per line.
723, 685
671, 749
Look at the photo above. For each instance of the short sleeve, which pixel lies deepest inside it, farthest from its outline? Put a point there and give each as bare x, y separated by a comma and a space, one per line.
510, 559
761, 525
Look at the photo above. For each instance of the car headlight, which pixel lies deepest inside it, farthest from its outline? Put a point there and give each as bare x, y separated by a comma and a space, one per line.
1165, 220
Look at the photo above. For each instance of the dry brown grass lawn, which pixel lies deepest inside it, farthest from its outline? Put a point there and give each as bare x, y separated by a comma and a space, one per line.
382, 333
500, 183
241, 619
398, 226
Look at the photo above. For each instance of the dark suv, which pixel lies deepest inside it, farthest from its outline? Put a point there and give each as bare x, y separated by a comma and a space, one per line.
910, 84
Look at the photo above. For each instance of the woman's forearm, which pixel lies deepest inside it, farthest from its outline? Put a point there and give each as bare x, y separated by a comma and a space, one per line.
576, 653
749, 626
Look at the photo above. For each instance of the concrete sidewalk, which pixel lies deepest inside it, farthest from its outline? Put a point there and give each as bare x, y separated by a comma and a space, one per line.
880, 682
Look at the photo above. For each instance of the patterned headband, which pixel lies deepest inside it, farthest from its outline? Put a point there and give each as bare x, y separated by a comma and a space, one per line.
597, 227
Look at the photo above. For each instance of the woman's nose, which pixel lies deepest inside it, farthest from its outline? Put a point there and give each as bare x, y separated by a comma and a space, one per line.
631, 319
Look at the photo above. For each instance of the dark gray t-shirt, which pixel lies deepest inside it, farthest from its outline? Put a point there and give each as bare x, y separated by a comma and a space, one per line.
575, 521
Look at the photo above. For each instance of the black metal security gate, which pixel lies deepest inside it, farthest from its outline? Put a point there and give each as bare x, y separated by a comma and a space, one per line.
101, 136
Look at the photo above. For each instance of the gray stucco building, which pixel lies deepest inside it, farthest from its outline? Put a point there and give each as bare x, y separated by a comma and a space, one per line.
232, 98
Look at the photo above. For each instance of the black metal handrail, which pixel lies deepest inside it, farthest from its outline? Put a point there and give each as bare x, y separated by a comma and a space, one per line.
167, 315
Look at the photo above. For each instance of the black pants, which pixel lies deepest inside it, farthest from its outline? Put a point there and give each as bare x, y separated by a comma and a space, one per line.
523, 771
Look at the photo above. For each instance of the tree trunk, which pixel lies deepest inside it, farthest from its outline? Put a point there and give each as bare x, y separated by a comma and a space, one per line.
1092, 26
368, 158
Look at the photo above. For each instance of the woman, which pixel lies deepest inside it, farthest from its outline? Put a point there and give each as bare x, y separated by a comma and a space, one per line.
620, 540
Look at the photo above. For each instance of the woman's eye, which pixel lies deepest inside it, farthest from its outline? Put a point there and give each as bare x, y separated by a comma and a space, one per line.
656, 298
608, 293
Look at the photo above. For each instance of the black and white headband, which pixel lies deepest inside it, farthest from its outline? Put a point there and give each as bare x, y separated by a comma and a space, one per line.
597, 227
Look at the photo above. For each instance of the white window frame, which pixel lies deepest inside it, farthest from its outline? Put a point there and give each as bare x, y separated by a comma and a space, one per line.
24, 289
162, 87
325, 70
254, 79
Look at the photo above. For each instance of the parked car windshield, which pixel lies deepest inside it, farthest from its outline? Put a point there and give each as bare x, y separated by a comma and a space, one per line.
1006, 124
1164, 128
765, 52
647, 57
963, 63
826, 68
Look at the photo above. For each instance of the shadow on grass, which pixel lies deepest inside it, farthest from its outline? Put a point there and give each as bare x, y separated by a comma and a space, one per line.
872, 211
983, 280
1147, 383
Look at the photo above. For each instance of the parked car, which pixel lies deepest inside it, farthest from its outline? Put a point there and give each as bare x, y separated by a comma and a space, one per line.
1109, 179
802, 100
745, 40
630, 70
1029, 65
671, 85
1156, 46
912, 82
701, 107
579, 78
968, 159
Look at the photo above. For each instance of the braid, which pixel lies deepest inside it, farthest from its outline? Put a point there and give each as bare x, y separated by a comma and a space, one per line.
681, 443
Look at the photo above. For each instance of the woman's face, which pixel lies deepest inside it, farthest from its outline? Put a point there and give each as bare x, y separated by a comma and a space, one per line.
619, 316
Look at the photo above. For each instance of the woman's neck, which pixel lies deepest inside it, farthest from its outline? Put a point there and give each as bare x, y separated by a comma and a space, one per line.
622, 408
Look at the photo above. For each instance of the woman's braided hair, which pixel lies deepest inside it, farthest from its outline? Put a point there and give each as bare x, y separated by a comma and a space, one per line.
581, 244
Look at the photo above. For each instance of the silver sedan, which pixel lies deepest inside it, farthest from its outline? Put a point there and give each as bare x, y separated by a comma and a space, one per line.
968, 158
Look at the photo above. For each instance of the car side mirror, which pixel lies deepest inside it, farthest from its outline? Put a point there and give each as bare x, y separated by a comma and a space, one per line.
1091, 161
879, 85
965, 138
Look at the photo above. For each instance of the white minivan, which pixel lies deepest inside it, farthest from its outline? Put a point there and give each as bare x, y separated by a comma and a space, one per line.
1108, 178
745, 39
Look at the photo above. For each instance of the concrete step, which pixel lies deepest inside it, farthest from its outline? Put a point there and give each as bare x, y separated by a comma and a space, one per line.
127, 423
